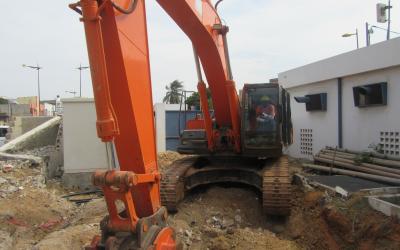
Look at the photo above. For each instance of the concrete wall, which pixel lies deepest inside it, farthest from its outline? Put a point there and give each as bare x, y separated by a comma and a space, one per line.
362, 127
23, 124
15, 109
83, 150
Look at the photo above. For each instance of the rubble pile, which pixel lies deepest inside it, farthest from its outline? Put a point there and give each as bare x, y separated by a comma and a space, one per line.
16, 175
225, 218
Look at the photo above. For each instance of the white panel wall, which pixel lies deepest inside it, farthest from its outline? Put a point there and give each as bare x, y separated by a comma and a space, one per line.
323, 123
83, 150
362, 126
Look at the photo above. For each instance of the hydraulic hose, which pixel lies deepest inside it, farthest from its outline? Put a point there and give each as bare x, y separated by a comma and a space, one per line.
125, 11
217, 3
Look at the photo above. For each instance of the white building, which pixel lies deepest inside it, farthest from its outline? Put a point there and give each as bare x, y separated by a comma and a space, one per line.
356, 100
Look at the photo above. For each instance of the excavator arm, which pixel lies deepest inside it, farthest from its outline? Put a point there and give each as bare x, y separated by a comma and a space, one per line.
201, 23
117, 43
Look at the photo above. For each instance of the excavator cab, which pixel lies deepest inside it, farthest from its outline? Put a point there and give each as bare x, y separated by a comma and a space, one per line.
266, 124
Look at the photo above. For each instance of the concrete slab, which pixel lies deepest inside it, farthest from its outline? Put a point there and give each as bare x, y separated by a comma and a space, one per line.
348, 183
43, 135
384, 190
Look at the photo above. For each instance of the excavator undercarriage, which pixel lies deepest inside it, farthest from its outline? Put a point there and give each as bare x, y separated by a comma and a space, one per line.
271, 177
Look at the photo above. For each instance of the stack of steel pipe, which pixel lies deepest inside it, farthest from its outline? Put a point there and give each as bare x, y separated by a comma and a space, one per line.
365, 165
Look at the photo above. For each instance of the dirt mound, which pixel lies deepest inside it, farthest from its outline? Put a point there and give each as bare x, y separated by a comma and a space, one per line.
321, 221
166, 158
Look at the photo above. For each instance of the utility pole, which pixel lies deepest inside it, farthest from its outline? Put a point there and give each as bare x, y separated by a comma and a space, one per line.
358, 46
368, 38
37, 68
80, 68
388, 29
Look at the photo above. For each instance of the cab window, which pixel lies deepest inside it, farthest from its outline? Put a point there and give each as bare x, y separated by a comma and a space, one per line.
261, 116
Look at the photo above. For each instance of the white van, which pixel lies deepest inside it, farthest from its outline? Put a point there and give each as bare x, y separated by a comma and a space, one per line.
3, 132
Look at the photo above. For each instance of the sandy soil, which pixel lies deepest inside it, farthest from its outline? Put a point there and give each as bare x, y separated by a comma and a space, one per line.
33, 215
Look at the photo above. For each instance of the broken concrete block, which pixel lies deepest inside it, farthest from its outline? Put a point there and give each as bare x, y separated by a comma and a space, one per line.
387, 204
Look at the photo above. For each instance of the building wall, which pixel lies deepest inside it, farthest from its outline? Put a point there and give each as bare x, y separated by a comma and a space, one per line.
13, 109
362, 127
83, 150
324, 125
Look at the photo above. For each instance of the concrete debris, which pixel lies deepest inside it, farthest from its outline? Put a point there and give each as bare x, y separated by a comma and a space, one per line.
188, 233
387, 204
342, 192
21, 157
7, 168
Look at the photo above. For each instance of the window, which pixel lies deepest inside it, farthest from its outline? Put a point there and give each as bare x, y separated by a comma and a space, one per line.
315, 102
370, 95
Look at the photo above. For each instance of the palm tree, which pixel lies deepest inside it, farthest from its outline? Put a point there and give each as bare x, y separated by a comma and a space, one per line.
173, 95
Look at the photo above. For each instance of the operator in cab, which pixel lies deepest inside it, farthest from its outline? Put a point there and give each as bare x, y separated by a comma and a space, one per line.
265, 114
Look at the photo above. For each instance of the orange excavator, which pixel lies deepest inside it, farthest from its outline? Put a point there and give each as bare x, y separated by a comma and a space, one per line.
237, 141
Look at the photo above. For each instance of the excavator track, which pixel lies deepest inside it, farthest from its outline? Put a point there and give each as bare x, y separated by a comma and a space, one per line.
172, 183
272, 179
277, 188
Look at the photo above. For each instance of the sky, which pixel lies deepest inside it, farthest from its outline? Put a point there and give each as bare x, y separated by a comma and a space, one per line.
266, 37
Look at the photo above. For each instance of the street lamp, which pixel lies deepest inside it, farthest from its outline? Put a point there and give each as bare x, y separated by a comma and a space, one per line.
71, 92
377, 27
352, 34
37, 68
80, 68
